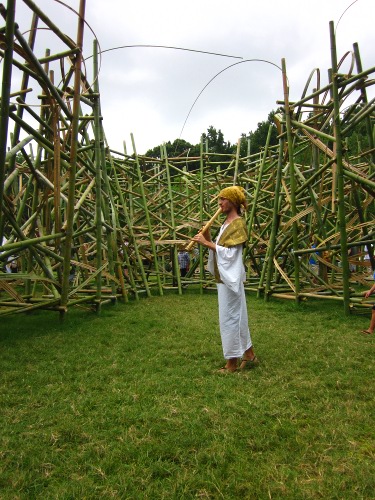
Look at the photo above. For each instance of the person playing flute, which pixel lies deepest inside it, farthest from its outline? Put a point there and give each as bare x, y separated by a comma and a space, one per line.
225, 263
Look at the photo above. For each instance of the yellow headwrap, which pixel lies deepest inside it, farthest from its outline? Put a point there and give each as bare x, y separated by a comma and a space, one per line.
235, 194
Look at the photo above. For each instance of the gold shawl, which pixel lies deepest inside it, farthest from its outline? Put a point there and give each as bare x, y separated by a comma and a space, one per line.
234, 234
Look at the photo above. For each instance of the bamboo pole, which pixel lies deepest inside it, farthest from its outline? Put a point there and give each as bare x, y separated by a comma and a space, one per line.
175, 266
68, 225
275, 221
5, 98
340, 174
292, 176
365, 100
98, 177
148, 220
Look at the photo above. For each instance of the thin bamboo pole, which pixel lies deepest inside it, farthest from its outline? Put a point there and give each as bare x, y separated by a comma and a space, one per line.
5, 98
275, 221
340, 174
98, 178
175, 266
292, 177
370, 135
68, 226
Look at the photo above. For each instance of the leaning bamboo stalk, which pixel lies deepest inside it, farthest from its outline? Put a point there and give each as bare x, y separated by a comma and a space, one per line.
259, 184
237, 162
148, 221
24, 87
122, 244
16, 149
5, 98
32, 59
56, 168
275, 220
364, 99
291, 173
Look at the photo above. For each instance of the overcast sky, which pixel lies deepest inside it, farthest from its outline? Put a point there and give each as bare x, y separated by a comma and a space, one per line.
149, 91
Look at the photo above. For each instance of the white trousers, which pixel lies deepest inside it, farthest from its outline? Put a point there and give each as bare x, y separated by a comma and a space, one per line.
233, 320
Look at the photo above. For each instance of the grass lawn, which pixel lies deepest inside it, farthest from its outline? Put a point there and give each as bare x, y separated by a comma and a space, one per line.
129, 404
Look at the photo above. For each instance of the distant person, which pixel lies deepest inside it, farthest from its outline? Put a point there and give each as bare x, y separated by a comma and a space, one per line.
183, 262
225, 263
11, 264
371, 328
313, 261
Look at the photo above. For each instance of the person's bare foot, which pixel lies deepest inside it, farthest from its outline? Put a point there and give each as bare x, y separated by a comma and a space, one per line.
231, 366
227, 370
249, 362
367, 332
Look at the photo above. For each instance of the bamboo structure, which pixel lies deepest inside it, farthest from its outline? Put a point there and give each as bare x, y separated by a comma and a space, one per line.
88, 225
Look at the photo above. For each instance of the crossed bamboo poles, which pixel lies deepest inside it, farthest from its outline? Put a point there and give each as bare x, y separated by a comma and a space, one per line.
89, 225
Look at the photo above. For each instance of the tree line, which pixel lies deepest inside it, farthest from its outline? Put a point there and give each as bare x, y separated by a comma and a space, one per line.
217, 144
358, 140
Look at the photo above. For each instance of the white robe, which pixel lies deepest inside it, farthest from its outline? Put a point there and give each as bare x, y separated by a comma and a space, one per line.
233, 320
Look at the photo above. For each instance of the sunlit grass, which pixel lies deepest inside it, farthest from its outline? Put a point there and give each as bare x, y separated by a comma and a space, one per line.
129, 404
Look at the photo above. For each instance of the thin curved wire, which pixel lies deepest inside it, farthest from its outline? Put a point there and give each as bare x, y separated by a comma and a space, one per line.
165, 47
342, 15
213, 78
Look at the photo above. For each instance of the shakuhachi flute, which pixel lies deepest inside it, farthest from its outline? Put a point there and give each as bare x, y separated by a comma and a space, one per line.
204, 228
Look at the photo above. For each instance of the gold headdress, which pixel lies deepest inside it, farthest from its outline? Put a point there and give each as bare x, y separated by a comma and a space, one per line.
235, 194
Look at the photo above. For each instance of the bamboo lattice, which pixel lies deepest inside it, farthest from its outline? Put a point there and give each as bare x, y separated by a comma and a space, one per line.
89, 225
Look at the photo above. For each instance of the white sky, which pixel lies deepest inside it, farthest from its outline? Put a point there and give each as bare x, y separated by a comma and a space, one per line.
149, 91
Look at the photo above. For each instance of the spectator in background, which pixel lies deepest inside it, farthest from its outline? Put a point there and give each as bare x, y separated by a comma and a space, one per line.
371, 328
183, 262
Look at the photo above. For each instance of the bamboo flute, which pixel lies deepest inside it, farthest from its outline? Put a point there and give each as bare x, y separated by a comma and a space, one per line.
204, 228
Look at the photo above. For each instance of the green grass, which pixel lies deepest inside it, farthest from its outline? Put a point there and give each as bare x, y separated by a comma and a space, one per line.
129, 404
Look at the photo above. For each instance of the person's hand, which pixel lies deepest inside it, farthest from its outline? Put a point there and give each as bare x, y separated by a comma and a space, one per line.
207, 234
199, 238
368, 293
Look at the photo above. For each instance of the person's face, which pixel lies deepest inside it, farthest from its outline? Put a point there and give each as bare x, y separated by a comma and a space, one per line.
226, 205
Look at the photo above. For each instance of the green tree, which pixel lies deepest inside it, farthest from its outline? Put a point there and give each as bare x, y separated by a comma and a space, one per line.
258, 138
216, 142
179, 147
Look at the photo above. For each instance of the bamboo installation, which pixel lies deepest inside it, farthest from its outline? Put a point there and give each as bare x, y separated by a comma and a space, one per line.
88, 225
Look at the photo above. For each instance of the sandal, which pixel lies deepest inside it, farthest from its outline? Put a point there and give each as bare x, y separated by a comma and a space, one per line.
224, 369
366, 332
248, 363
